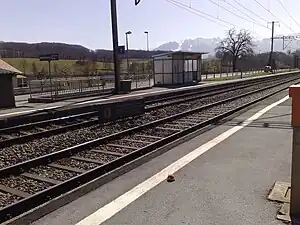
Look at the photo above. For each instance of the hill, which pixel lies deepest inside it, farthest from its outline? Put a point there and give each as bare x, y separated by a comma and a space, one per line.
65, 51
77, 60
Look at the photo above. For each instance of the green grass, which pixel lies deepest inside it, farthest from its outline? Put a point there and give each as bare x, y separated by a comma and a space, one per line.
26, 65
68, 66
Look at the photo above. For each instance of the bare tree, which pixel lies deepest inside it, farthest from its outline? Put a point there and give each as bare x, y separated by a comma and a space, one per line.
236, 45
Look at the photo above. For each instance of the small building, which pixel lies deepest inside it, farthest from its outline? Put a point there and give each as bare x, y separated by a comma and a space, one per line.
7, 72
177, 68
20, 81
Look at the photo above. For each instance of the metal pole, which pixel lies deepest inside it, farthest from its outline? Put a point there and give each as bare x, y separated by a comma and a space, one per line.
148, 41
127, 53
114, 22
50, 77
272, 45
147, 33
295, 176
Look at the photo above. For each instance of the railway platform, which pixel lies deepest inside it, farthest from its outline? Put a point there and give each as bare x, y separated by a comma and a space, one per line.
25, 108
222, 176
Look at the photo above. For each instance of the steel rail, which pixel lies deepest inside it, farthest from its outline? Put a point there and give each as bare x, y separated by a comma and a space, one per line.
191, 96
25, 136
183, 93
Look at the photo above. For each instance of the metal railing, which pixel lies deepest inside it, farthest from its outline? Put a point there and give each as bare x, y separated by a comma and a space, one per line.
59, 88
239, 74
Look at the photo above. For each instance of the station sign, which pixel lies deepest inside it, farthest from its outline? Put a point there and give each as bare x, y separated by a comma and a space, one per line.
121, 49
48, 57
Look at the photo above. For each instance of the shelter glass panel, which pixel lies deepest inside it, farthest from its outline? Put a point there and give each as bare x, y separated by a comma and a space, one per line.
158, 66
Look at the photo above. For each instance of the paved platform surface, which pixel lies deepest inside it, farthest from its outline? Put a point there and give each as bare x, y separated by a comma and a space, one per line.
228, 184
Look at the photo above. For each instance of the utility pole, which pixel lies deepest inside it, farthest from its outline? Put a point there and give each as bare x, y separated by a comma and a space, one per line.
114, 24
272, 45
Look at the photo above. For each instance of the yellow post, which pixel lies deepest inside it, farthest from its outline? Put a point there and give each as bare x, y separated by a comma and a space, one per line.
294, 93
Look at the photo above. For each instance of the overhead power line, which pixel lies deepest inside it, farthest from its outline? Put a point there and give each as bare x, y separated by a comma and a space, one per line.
199, 13
269, 11
233, 13
254, 21
288, 12
250, 11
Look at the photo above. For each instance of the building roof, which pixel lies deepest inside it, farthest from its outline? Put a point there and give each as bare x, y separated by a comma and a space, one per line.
21, 77
186, 54
5, 68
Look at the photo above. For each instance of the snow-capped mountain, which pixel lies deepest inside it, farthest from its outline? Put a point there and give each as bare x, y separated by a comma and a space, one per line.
209, 44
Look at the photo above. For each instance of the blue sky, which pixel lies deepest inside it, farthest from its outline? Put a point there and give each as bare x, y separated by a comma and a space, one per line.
88, 22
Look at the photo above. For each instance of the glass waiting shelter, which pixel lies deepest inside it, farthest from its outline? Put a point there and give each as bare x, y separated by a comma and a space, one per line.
177, 68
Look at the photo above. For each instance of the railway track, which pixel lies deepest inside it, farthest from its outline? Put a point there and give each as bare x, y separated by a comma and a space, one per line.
51, 143
27, 132
30, 183
16, 153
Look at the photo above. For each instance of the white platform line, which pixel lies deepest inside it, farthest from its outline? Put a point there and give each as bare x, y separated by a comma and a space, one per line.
124, 200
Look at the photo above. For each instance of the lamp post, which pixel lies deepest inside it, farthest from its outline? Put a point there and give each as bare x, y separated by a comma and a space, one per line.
127, 50
148, 67
147, 34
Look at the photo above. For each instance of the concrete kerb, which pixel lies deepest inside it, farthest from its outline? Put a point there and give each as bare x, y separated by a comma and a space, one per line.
52, 205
